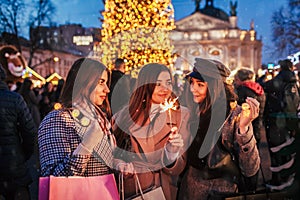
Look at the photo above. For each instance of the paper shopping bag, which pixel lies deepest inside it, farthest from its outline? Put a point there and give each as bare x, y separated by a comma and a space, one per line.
78, 188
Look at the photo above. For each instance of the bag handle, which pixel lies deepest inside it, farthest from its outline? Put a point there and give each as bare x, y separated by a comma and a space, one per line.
139, 185
121, 185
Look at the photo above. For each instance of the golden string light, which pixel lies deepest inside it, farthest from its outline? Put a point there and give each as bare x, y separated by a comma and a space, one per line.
137, 31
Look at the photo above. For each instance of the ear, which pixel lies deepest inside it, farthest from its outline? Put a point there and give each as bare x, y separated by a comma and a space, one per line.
6, 55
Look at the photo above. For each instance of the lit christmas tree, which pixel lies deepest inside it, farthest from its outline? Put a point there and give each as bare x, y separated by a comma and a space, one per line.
138, 31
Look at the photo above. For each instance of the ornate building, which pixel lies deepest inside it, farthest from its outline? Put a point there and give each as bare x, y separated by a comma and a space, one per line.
211, 33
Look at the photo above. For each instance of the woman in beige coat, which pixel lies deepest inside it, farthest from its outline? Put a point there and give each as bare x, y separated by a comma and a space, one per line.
150, 137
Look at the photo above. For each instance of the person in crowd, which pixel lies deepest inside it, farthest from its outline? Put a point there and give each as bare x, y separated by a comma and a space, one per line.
150, 136
16, 143
75, 140
31, 99
120, 86
58, 89
48, 97
245, 86
282, 125
224, 148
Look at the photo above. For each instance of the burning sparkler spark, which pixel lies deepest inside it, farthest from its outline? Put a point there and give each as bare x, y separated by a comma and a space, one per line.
167, 106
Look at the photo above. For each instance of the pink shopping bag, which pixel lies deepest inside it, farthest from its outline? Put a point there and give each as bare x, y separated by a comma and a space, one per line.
78, 188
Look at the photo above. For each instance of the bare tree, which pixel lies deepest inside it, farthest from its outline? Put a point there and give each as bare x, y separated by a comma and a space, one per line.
11, 16
286, 29
17, 14
42, 13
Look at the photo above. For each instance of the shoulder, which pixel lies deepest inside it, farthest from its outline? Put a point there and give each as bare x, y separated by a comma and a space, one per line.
184, 110
57, 117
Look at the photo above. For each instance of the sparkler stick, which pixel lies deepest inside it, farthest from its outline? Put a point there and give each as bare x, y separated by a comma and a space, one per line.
167, 106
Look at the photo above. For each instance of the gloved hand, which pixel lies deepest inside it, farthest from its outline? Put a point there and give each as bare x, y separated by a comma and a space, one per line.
92, 133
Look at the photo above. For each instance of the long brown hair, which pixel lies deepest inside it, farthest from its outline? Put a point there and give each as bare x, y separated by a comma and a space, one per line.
82, 79
140, 101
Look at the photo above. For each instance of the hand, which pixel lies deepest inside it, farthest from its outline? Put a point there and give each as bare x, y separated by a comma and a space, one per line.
248, 114
175, 141
93, 133
125, 168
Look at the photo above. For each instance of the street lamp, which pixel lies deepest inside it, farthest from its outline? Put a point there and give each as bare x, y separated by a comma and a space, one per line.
52, 58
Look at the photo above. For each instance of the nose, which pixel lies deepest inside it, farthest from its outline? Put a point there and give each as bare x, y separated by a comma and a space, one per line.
106, 89
192, 87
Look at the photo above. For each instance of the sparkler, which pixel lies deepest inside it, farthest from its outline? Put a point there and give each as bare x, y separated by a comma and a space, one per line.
168, 106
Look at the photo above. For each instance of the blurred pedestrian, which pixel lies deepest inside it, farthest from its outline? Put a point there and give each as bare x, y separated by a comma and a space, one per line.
32, 100
245, 86
282, 125
120, 86
17, 138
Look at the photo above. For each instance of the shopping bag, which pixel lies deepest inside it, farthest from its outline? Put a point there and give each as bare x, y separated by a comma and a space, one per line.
78, 188
154, 194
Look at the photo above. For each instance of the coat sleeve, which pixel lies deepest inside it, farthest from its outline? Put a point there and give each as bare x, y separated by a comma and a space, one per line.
56, 137
27, 127
249, 159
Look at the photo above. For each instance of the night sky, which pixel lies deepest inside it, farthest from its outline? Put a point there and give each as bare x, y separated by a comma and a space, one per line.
86, 12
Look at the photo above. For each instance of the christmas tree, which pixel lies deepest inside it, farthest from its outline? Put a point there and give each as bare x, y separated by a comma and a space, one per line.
138, 31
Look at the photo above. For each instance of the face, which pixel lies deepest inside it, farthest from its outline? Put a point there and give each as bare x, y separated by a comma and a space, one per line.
199, 90
237, 81
100, 92
163, 88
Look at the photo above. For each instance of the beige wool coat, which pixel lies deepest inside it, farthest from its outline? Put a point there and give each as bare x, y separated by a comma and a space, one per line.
148, 152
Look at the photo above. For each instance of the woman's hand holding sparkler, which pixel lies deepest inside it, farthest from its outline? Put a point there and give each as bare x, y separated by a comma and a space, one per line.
175, 141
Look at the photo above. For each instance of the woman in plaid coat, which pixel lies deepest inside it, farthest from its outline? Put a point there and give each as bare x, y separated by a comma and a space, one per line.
75, 139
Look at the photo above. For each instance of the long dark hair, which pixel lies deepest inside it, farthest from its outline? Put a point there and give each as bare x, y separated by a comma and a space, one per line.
81, 81
141, 99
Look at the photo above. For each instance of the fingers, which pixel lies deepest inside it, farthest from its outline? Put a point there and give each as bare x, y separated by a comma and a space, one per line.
126, 168
254, 106
176, 140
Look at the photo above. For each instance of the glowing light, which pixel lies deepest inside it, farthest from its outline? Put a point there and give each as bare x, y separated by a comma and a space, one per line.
57, 106
138, 31
169, 105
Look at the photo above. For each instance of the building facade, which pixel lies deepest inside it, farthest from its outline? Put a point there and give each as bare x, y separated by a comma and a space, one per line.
211, 33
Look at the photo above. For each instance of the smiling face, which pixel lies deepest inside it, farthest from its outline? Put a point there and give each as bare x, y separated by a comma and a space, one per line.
163, 88
101, 90
199, 90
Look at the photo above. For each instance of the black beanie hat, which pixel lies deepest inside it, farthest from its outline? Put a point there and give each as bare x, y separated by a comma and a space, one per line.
206, 68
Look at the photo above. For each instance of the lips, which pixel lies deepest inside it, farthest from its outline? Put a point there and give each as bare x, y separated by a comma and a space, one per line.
103, 97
